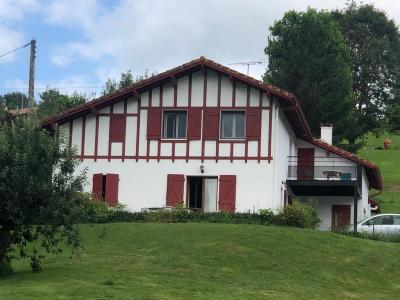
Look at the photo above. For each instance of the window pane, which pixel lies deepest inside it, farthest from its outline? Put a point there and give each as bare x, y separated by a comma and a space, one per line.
227, 125
170, 126
174, 125
181, 125
396, 220
387, 220
376, 221
239, 125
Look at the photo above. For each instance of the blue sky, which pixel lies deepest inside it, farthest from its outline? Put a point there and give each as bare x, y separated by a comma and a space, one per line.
81, 43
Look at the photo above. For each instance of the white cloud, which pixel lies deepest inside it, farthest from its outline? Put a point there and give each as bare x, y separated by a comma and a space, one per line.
9, 39
158, 34
16, 9
72, 12
11, 11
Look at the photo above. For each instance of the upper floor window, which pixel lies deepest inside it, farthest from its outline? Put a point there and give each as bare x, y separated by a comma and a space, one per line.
232, 124
174, 124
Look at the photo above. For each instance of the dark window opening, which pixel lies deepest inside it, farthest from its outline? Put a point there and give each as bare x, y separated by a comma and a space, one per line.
103, 188
232, 124
174, 124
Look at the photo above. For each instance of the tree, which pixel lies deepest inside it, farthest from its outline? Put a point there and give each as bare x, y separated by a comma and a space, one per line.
307, 56
40, 195
16, 100
53, 102
374, 48
126, 80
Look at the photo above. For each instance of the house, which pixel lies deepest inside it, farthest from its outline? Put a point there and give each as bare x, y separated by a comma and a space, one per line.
216, 140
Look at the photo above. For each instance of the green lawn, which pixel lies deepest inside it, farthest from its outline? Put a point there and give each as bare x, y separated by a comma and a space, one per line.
389, 163
212, 261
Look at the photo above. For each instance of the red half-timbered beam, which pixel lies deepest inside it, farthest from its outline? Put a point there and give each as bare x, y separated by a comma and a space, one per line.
71, 128
189, 105
109, 132
138, 128
96, 137
181, 157
270, 127
159, 141
204, 105
83, 137
219, 105
124, 140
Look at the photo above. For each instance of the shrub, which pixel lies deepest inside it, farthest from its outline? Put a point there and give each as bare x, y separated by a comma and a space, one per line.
297, 215
303, 215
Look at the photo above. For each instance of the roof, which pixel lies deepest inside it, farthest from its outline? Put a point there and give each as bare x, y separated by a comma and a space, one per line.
288, 102
372, 169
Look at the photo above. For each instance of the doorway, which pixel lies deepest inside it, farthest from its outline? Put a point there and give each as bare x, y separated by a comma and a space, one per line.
340, 216
202, 193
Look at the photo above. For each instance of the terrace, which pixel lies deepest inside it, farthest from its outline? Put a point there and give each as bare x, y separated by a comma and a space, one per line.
323, 176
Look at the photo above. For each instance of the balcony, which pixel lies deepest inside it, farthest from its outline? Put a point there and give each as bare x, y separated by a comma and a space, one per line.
323, 176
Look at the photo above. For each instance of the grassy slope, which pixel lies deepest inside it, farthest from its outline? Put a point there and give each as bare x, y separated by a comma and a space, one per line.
389, 163
212, 261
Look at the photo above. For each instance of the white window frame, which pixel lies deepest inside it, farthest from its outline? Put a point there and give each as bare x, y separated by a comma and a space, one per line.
177, 127
234, 127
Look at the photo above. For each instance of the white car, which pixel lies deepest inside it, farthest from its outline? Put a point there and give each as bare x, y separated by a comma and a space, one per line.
381, 224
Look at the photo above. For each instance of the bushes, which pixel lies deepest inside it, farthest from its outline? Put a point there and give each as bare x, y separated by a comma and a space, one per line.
303, 215
296, 215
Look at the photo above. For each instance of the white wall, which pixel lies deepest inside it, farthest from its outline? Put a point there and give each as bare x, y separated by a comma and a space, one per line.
365, 211
144, 184
283, 145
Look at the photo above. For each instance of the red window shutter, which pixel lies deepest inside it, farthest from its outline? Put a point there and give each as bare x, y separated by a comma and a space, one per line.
175, 184
253, 124
194, 124
117, 128
97, 189
154, 124
111, 196
211, 124
227, 193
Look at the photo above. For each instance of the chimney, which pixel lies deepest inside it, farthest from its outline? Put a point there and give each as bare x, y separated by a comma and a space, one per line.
326, 133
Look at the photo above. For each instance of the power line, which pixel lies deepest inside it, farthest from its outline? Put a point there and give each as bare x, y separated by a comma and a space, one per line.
14, 50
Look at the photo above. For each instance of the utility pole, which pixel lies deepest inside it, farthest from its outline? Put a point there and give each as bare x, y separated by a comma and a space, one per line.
31, 90
250, 63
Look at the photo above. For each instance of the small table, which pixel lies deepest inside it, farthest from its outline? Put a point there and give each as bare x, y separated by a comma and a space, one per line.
332, 174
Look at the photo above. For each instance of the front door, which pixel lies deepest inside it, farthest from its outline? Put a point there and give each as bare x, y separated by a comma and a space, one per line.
340, 216
202, 193
305, 163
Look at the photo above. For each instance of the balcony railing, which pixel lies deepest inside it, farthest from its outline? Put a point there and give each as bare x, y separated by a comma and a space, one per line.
321, 168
